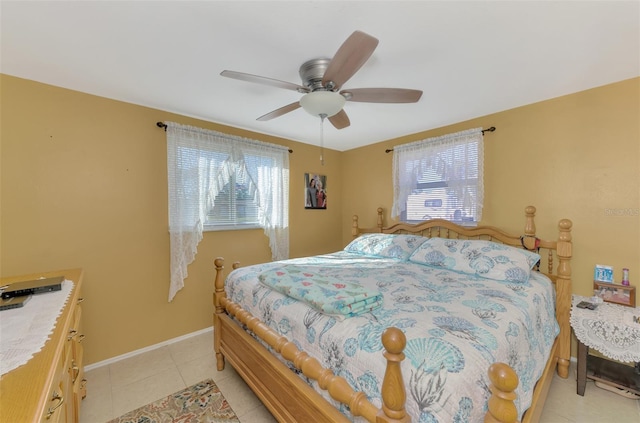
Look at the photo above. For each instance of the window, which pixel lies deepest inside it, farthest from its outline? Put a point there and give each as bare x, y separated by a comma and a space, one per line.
232, 200
234, 207
440, 178
220, 182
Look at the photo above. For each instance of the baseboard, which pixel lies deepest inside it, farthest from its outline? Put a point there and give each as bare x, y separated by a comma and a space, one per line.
146, 349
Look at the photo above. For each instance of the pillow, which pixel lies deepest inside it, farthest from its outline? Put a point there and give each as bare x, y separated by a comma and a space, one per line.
487, 259
385, 245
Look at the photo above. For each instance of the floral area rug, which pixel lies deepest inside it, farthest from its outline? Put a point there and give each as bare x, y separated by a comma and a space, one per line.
200, 403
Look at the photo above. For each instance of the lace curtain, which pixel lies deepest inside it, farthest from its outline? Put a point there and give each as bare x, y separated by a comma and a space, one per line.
456, 160
200, 163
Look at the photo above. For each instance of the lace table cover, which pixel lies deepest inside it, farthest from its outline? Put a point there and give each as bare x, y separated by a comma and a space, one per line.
25, 330
609, 328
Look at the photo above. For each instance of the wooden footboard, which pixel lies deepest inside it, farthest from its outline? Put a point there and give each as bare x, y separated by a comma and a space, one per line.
287, 396
290, 399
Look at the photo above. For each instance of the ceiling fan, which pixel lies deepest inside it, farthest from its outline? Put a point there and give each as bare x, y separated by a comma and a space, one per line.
322, 81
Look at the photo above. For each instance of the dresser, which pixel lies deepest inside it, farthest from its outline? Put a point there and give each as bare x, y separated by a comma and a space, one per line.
50, 387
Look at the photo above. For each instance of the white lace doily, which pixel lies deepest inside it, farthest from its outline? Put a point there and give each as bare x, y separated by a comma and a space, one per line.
24, 330
610, 329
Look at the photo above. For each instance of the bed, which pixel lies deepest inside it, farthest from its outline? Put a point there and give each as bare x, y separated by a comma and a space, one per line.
422, 352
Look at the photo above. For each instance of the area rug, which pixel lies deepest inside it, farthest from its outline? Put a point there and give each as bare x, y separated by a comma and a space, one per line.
200, 403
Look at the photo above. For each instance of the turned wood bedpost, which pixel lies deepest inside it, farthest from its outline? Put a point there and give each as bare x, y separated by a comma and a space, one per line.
563, 296
529, 239
355, 231
218, 294
393, 392
504, 382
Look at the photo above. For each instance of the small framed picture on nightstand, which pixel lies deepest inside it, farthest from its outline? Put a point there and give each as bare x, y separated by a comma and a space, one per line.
617, 294
603, 273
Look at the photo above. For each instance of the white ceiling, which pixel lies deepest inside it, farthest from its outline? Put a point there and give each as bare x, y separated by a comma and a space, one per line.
470, 58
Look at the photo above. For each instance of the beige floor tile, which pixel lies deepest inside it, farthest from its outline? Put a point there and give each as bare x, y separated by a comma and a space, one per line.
597, 405
192, 348
141, 366
258, 415
97, 405
203, 368
551, 417
238, 394
99, 377
141, 392
99, 411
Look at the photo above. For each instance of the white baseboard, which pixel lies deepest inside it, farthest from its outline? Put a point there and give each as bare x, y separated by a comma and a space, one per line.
145, 349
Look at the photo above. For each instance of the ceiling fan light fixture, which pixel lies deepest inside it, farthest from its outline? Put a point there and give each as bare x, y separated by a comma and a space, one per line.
326, 103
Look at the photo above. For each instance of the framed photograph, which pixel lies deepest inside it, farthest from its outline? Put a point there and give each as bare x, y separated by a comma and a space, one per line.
617, 294
603, 273
315, 191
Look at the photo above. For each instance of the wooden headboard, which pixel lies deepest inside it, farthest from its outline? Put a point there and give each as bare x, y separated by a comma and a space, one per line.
442, 228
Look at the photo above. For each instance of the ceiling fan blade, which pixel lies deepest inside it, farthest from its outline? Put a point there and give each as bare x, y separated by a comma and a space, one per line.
340, 120
279, 112
264, 81
350, 57
382, 95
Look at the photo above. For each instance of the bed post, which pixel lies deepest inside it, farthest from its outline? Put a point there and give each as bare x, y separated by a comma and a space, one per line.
563, 296
529, 240
504, 382
355, 231
218, 293
393, 393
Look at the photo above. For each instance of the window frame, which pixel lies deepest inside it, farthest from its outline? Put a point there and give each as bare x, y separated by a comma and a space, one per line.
447, 157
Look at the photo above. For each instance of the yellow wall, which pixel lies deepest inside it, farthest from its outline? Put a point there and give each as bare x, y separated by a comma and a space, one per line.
83, 184
576, 157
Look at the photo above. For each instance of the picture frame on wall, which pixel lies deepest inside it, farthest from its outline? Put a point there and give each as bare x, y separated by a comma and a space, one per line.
618, 294
315, 191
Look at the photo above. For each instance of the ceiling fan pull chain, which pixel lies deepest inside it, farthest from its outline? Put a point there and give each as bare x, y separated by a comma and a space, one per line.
322, 139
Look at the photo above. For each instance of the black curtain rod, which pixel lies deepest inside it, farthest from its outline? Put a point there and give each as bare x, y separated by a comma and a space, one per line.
164, 125
389, 150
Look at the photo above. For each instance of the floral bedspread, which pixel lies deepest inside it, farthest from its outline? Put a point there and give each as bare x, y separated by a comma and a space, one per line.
456, 325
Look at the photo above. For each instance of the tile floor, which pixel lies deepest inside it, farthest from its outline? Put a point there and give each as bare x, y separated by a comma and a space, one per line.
125, 385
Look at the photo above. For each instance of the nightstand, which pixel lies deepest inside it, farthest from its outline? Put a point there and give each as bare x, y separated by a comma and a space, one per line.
610, 330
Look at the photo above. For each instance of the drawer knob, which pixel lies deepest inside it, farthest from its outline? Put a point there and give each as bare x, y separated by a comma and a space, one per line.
75, 370
72, 333
56, 397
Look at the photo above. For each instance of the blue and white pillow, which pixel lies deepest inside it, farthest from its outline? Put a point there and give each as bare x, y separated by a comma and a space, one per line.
386, 245
486, 259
